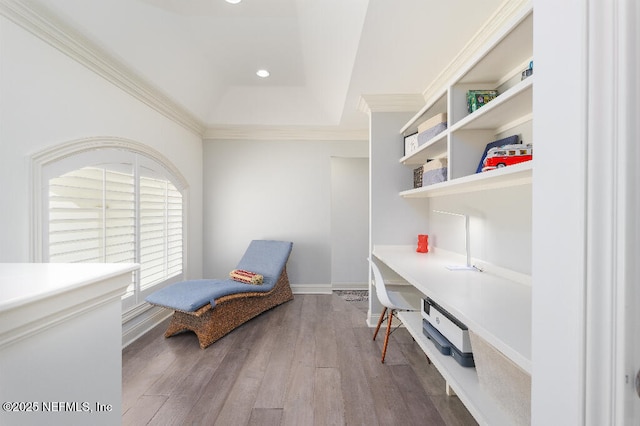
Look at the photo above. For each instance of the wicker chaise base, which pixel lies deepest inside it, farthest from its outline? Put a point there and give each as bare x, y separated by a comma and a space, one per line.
211, 323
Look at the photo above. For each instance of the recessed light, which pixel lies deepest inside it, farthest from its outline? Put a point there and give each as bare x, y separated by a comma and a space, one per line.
233, 1
262, 73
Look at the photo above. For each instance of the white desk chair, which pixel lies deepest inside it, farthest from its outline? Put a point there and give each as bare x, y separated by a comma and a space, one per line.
392, 301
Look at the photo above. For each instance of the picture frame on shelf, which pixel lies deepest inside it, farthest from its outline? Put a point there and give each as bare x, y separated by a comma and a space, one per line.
479, 98
410, 143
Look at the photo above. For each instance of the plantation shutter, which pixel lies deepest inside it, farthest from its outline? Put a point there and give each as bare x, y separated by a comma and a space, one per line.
174, 230
115, 215
160, 231
92, 217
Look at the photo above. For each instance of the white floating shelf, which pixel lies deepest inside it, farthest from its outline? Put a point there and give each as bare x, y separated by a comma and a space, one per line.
515, 175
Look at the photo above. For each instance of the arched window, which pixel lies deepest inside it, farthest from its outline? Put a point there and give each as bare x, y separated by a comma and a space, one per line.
114, 201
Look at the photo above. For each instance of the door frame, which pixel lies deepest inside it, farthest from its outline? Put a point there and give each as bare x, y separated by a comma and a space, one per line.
612, 254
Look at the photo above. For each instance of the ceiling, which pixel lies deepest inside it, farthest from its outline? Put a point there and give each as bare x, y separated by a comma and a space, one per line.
322, 54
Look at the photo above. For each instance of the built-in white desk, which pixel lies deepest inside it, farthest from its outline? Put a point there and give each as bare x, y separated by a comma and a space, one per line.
495, 307
60, 342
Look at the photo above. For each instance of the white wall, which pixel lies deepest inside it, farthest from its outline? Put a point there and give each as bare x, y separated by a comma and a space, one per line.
271, 190
349, 222
47, 98
394, 221
499, 226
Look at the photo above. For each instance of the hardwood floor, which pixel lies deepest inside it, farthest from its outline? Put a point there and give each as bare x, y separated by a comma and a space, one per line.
310, 361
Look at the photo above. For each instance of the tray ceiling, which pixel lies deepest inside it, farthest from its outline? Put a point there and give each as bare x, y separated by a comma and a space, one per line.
322, 55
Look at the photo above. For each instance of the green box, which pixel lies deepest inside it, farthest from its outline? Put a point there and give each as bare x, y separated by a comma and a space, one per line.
479, 98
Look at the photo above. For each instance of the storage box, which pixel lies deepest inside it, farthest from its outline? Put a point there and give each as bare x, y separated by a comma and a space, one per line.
428, 129
431, 133
433, 121
479, 98
434, 171
417, 177
503, 379
450, 327
410, 143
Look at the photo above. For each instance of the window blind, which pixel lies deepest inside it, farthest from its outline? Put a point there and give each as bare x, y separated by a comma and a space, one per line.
91, 217
160, 231
112, 214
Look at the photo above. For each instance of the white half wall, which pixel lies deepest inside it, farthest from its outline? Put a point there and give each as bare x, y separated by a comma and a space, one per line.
271, 190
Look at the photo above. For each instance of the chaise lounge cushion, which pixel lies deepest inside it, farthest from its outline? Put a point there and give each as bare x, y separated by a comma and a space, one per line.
185, 296
265, 257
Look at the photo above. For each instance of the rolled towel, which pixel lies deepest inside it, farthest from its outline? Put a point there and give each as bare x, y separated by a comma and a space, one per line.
246, 276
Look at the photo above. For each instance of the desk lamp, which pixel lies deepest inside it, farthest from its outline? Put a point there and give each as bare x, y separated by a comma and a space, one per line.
467, 243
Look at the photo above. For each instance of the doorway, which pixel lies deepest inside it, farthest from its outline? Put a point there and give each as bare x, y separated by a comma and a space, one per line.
349, 223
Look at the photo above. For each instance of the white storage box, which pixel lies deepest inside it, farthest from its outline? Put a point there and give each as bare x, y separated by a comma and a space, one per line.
435, 171
449, 326
432, 127
432, 122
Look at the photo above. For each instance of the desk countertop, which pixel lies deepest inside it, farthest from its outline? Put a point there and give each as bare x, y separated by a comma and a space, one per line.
496, 308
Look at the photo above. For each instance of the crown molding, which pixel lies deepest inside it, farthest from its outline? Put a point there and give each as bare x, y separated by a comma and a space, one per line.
509, 10
51, 30
390, 103
285, 133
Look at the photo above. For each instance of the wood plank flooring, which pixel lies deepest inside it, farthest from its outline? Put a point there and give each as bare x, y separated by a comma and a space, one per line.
310, 361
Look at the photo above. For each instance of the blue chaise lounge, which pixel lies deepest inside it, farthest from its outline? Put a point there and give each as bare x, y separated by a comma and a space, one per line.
213, 308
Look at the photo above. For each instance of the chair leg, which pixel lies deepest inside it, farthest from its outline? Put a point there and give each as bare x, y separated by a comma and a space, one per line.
386, 337
384, 311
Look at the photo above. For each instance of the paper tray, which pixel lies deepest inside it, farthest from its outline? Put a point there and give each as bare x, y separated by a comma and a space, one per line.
445, 347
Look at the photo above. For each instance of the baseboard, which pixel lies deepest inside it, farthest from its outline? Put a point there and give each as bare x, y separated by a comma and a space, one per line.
326, 288
349, 286
311, 288
140, 320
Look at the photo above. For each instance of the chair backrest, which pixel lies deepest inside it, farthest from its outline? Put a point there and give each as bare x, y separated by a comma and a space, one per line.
381, 290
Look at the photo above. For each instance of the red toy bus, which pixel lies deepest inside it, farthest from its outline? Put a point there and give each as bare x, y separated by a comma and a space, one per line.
507, 155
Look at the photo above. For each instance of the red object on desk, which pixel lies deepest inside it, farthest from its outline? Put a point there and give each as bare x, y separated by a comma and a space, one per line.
423, 243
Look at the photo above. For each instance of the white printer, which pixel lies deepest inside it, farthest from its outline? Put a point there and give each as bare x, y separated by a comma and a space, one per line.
450, 336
